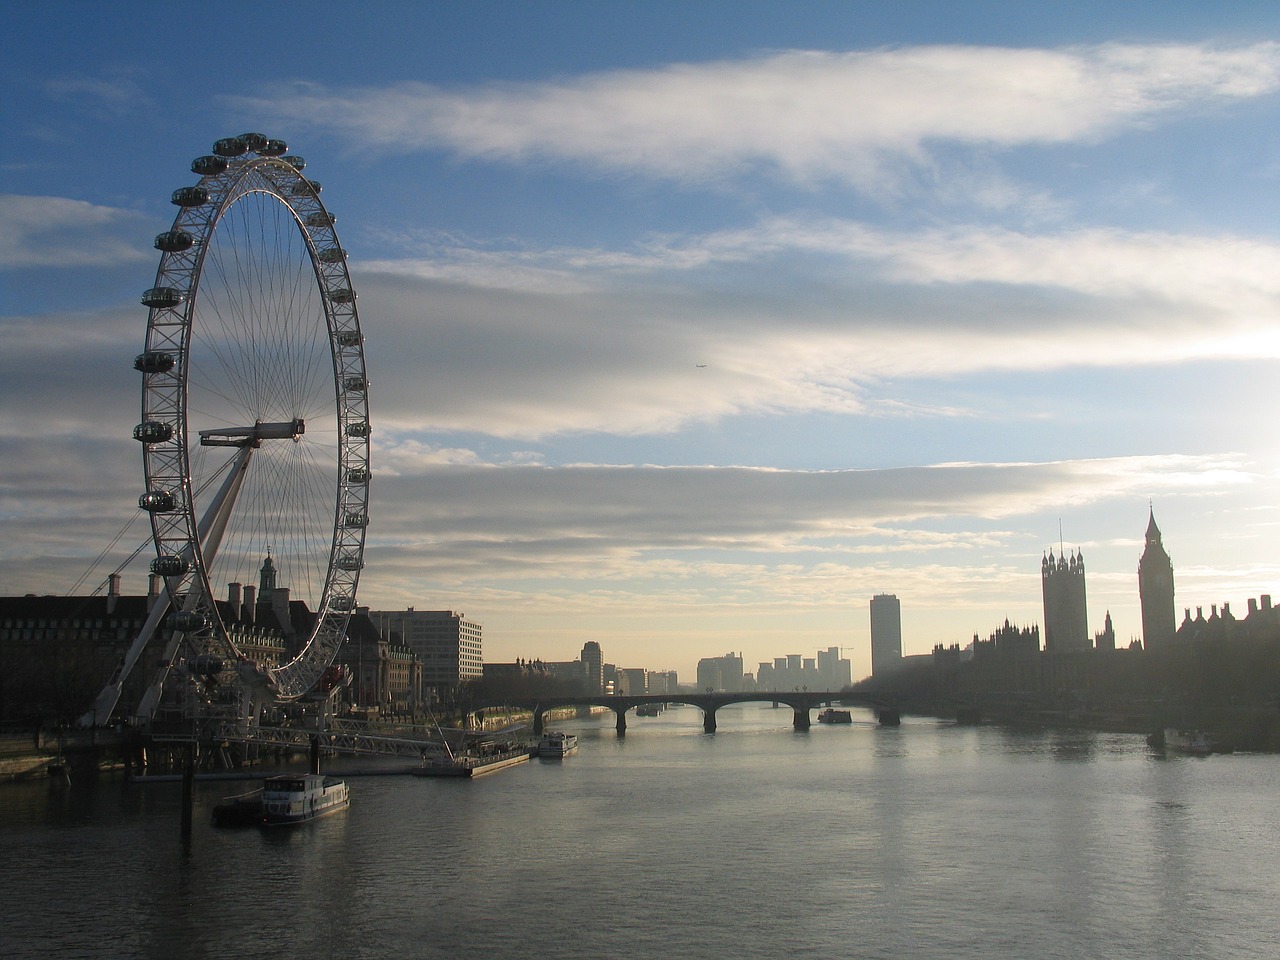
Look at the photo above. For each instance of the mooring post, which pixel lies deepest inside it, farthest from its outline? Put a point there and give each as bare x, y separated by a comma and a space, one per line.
315, 753
188, 787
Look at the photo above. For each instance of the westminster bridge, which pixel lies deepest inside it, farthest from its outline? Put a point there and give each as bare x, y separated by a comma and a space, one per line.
802, 702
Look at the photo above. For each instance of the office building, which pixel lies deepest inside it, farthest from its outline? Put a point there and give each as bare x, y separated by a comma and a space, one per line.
886, 634
593, 666
447, 643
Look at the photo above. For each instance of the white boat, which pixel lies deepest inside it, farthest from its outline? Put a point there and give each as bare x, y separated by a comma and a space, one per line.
1187, 741
297, 799
554, 744
284, 799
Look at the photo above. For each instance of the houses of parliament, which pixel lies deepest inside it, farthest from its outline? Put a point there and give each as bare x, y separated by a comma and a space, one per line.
1062, 582
1214, 670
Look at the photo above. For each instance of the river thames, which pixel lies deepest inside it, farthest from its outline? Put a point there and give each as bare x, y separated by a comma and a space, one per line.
923, 841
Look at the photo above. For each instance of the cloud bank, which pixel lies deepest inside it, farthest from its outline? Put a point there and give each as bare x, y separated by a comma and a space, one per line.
802, 114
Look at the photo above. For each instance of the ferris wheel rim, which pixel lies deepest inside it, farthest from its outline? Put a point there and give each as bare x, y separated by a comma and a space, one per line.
242, 169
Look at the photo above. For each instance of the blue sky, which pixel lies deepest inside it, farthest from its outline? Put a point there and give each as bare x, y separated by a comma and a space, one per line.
692, 326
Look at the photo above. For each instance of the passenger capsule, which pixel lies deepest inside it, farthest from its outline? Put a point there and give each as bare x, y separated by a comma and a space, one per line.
170, 566
305, 188
254, 141
355, 520
358, 475
321, 219
298, 163
190, 197
163, 297
154, 361
342, 603
273, 148
157, 501
209, 166
355, 384
342, 295
188, 621
348, 338
348, 561
206, 665
332, 255
153, 431
174, 241
359, 429
230, 147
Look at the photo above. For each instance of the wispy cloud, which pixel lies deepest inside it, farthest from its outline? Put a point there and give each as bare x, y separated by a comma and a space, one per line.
765, 508
535, 342
116, 90
609, 536
803, 114
61, 232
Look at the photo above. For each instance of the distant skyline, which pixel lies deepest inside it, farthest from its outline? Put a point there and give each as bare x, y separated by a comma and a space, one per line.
691, 327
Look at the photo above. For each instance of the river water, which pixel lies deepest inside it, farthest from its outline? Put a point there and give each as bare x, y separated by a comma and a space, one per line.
923, 841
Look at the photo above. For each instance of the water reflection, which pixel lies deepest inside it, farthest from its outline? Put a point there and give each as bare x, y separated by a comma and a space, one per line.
927, 840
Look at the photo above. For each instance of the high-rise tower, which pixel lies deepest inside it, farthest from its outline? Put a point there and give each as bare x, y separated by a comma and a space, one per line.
593, 666
1066, 622
886, 634
1155, 590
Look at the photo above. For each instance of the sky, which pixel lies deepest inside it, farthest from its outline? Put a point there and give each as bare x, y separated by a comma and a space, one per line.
690, 327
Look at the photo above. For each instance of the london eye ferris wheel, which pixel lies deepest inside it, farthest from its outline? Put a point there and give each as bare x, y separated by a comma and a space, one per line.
255, 424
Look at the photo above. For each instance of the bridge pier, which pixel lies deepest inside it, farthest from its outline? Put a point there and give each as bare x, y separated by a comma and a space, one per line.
621, 725
800, 720
889, 717
709, 719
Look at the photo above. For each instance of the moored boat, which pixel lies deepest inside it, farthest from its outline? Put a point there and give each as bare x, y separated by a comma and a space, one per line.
556, 745
284, 799
831, 715
297, 799
1187, 741
476, 761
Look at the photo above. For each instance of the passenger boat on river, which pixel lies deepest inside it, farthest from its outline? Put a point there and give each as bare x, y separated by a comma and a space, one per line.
284, 799
555, 745
1195, 742
831, 715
